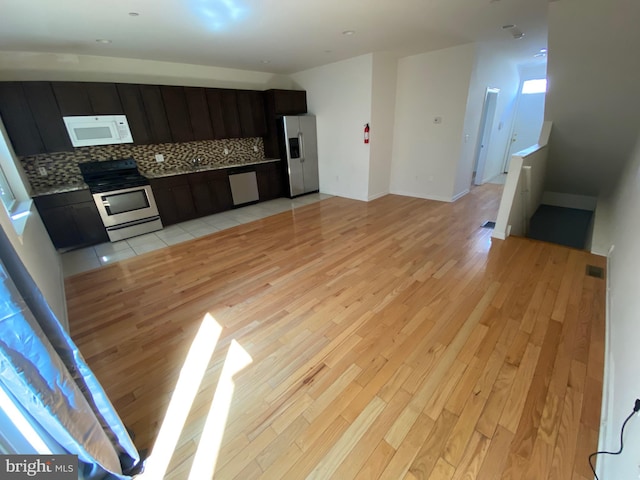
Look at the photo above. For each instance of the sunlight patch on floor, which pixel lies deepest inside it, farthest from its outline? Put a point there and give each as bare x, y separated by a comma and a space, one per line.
206, 457
191, 376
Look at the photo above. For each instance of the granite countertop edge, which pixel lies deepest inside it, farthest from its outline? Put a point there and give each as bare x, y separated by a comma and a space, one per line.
205, 168
39, 192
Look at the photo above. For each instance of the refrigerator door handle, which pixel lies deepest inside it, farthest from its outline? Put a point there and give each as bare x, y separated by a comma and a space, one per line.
300, 140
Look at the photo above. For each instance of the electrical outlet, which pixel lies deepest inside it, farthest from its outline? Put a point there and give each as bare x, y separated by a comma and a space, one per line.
42, 171
159, 158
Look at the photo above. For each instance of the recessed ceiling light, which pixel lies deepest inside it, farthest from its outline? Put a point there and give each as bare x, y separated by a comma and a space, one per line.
349, 32
134, 14
103, 40
543, 50
265, 61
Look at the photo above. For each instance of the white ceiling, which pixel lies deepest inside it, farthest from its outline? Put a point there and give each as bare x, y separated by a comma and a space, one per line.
291, 35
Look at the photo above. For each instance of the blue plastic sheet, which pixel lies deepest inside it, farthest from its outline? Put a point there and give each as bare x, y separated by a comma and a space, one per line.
43, 369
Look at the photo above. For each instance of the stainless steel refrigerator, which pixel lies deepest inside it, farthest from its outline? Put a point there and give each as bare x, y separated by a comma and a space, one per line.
299, 149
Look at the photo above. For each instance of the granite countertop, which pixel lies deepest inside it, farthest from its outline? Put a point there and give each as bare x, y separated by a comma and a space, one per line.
37, 192
203, 168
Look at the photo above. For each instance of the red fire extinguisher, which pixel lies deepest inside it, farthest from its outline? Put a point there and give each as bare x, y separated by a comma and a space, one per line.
366, 133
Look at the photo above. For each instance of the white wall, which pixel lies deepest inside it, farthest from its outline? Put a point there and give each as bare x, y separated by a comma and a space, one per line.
425, 154
35, 249
491, 70
88, 68
41, 260
339, 94
383, 104
531, 71
592, 99
621, 386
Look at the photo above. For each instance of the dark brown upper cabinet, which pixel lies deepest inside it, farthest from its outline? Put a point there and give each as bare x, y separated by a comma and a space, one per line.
18, 120
287, 102
230, 114
33, 111
214, 102
104, 98
175, 104
78, 98
279, 103
133, 108
47, 116
156, 114
223, 111
199, 113
251, 111
72, 98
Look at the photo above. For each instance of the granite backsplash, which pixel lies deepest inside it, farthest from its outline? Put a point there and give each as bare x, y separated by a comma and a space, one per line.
62, 168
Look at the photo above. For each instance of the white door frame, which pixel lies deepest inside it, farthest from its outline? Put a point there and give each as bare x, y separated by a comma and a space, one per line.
484, 133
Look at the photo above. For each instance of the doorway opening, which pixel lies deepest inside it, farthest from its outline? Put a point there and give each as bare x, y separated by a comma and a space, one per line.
484, 134
528, 119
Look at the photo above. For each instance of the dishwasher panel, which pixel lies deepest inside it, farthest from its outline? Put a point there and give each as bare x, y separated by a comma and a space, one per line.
244, 188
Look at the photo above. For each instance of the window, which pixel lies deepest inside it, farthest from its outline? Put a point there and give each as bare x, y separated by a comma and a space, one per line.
6, 194
13, 191
538, 85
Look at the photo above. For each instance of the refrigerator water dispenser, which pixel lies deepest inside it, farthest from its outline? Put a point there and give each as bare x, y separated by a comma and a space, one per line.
294, 147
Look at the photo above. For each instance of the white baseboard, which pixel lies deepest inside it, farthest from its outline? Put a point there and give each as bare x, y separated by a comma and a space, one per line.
378, 195
569, 200
437, 198
460, 195
598, 251
342, 195
606, 411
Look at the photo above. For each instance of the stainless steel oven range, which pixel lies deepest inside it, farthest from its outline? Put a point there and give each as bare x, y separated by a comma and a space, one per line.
123, 197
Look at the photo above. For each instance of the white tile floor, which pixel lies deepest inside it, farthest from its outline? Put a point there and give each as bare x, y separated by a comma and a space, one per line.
89, 258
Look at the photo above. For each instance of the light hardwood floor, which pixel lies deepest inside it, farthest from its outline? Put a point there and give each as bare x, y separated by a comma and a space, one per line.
391, 339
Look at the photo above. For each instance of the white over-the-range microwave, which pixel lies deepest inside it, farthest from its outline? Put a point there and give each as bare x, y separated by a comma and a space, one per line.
85, 131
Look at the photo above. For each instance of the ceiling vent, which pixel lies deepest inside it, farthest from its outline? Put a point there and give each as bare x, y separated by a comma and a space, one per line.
514, 31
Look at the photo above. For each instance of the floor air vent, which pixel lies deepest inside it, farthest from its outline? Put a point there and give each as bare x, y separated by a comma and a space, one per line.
489, 225
594, 271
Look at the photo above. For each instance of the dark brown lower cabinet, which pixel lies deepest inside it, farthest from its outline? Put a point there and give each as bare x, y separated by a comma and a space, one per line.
71, 219
173, 198
211, 192
192, 195
270, 180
